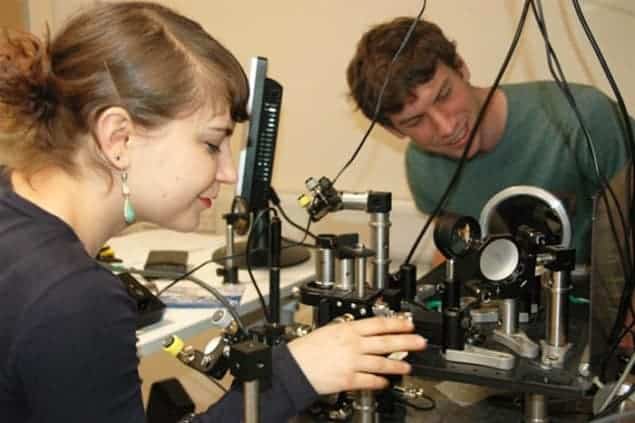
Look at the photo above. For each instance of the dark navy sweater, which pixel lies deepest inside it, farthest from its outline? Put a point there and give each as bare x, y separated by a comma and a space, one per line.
67, 334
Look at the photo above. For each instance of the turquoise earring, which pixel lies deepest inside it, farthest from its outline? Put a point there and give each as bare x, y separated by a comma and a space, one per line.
129, 214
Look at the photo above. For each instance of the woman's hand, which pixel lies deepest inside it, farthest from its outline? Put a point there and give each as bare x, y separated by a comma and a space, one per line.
350, 356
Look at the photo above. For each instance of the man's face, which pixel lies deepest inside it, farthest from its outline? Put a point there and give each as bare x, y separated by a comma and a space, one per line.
440, 114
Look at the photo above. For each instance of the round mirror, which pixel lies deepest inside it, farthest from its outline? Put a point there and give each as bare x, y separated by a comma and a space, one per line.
499, 259
454, 235
531, 206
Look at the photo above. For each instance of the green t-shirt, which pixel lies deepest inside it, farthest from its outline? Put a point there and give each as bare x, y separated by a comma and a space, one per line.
542, 145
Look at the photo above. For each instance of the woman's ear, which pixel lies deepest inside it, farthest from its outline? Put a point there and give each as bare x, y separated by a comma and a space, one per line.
112, 132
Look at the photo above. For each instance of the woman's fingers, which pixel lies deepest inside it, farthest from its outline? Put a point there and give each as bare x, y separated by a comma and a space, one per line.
361, 348
381, 365
387, 344
381, 325
367, 381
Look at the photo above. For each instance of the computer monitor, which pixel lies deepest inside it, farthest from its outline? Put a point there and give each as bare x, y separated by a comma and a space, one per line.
256, 167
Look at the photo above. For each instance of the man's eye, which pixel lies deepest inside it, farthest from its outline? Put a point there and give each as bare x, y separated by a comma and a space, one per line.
415, 122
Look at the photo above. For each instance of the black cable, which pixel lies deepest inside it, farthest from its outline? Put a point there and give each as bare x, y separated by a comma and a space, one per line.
627, 293
176, 278
275, 199
187, 275
617, 417
609, 76
613, 349
166, 274
305, 231
457, 173
265, 309
629, 283
560, 79
183, 276
431, 406
608, 73
293, 243
308, 226
628, 142
206, 262
248, 265
400, 398
381, 92
611, 407
218, 384
613, 346
562, 83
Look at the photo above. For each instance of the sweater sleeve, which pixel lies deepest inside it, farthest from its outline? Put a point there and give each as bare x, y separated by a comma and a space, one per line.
290, 394
76, 358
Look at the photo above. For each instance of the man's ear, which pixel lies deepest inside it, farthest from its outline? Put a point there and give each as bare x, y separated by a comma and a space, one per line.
464, 70
396, 132
112, 131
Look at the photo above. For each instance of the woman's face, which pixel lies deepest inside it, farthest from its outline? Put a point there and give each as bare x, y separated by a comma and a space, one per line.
175, 172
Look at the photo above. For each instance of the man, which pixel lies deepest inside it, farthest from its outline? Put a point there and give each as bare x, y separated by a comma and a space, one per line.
529, 134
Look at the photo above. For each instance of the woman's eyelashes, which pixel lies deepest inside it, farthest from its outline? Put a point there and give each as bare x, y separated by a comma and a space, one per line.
212, 147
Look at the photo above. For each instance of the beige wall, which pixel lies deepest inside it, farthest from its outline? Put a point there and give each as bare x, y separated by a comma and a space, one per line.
309, 43
13, 14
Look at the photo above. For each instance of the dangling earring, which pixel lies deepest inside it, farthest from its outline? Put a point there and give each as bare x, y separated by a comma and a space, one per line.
129, 214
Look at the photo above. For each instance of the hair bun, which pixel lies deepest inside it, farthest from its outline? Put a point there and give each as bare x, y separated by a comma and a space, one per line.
27, 85
44, 99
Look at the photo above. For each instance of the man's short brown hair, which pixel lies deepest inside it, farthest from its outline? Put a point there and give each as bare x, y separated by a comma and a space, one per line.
415, 65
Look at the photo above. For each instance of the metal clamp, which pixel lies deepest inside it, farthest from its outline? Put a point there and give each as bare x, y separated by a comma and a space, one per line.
481, 357
518, 342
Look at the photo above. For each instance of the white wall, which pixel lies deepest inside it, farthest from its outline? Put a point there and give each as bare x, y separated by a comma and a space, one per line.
13, 14
309, 44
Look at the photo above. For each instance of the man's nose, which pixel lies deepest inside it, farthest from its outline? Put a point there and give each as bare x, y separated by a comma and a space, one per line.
442, 121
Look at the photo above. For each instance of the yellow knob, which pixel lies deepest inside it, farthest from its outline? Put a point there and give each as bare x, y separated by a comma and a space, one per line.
173, 345
304, 200
106, 251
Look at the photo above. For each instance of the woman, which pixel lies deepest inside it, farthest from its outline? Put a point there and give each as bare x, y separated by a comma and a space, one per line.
126, 115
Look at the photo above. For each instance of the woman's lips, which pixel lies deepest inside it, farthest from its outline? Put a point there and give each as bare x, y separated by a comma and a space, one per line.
207, 202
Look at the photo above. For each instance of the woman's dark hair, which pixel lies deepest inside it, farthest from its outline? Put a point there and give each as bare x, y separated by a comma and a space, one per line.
416, 64
148, 59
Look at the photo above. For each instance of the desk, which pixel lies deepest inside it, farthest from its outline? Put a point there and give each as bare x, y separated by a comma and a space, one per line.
186, 322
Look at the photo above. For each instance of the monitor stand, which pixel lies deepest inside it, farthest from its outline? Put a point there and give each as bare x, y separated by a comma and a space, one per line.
290, 255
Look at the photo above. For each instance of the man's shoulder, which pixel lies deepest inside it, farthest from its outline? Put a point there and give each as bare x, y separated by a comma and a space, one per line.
550, 91
544, 102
